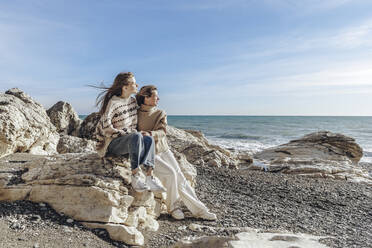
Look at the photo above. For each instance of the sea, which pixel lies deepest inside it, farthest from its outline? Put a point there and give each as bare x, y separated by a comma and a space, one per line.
255, 133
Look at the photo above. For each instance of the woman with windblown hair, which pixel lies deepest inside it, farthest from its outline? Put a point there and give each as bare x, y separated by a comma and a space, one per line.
153, 121
116, 130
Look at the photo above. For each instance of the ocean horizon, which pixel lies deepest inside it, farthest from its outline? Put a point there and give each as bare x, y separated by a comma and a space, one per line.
254, 133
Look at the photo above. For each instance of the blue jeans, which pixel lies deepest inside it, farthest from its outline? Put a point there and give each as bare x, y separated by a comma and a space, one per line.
141, 149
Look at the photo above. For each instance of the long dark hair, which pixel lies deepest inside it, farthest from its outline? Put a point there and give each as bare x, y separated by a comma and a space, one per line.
122, 79
145, 91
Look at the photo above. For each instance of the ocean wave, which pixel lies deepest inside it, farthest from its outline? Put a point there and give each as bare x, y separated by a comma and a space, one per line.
239, 136
367, 154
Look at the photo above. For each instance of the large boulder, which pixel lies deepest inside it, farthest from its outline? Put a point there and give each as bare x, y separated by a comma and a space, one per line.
25, 125
89, 189
64, 118
198, 150
88, 127
320, 154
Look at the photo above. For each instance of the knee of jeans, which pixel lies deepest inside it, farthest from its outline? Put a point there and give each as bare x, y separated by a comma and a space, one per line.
148, 139
136, 136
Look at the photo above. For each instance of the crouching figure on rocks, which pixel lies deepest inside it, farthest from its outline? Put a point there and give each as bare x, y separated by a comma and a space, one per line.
153, 122
116, 131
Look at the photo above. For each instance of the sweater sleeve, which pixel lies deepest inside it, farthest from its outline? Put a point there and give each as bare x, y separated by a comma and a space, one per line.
108, 128
160, 128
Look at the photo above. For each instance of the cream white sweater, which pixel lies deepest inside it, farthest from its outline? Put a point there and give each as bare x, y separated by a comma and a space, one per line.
120, 118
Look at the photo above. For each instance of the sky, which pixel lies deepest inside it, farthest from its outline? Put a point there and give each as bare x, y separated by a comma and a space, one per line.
207, 57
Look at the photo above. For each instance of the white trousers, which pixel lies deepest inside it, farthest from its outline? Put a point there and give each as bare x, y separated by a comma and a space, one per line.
169, 173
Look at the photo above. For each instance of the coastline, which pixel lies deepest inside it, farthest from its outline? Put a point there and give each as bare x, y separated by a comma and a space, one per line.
66, 173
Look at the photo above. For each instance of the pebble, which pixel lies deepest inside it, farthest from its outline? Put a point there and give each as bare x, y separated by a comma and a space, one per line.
69, 221
182, 228
42, 204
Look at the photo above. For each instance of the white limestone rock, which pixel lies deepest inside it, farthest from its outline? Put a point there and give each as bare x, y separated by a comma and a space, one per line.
84, 187
320, 154
251, 238
197, 149
88, 126
64, 118
129, 235
72, 144
25, 126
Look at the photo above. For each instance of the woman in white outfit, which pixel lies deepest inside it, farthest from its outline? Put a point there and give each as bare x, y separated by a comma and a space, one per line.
153, 121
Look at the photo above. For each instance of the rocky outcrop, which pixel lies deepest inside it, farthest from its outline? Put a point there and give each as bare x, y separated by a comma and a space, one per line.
25, 125
72, 144
64, 118
320, 154
88, 127
198, 150
249, 237
93, 191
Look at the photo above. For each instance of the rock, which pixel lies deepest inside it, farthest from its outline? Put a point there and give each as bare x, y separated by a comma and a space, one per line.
129, 235
64, 118
203, 242
320, 154
86, 188
253, 238
268, 239
197, 149
88, 127
25, 125
71, 144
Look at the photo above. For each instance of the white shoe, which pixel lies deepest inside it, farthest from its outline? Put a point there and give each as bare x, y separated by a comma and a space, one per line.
178, 214
154, 184
138, 184
207, 216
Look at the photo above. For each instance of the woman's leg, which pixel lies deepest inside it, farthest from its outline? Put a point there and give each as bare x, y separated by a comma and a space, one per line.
141, 150
168, 177
147, 157
186, 192
131, 144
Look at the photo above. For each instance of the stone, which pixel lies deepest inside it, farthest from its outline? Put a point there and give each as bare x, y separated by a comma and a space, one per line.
321, 154
135, 215
64, 118
203, 242
25, 125
129, 235
88, 126
72, 144
253, 238
198, 150
85, 188
276, 240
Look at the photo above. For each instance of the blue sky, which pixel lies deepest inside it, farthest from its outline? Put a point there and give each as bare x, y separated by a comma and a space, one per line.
253, 57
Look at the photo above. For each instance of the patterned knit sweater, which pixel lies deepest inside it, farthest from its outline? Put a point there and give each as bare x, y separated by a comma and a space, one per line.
120, 118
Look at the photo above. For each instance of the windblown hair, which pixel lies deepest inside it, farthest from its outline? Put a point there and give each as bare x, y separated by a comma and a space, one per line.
122, 79
145, 91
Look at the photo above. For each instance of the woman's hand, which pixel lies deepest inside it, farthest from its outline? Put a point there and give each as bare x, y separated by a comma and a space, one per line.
144, 133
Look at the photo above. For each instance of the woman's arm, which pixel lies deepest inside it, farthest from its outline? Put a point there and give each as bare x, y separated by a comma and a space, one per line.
108, 128
160, 128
